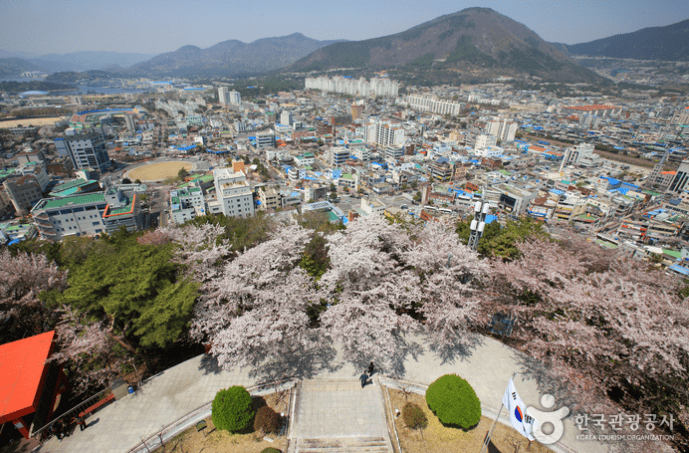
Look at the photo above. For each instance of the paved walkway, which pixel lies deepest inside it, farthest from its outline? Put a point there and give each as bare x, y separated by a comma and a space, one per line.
332, 409
185, 387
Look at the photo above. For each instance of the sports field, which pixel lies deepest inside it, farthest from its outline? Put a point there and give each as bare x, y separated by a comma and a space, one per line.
158, 171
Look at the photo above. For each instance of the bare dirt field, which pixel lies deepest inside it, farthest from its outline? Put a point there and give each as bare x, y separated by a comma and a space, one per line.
158, 171
30, 122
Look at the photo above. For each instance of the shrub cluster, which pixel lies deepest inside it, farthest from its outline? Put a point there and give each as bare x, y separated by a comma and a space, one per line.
231, 409
270, 450
454, 401
413, 416
267, 420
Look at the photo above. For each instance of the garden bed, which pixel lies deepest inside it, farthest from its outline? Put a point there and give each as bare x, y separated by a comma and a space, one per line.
437, 438
216, 441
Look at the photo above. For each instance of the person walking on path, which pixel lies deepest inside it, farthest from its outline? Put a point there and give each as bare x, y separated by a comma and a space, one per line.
364, 379
81, 423
371, 369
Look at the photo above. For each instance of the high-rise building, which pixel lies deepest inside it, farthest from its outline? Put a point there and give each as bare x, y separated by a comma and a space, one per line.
357, 111
382, 87
504, 130
235, 97
433, 104
384, 133
84, 150
679, 182
286, 118
223, 95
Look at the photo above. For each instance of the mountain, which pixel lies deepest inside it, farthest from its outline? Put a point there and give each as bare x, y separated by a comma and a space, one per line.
669, 43
85, 61
22, 55
14, 67
476, 41
229, 57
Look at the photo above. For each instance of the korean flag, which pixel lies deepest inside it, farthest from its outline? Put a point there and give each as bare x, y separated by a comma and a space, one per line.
521, 418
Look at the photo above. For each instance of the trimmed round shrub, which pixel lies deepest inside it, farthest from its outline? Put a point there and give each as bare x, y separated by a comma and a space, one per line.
454, 401
231, 409
267, 420
413, 416
270, 450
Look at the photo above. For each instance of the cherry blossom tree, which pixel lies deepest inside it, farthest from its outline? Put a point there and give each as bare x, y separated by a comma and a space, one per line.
384, 283
605, 326
370, 293
256, 312
199, 249
91, 352
22, 279
449, 301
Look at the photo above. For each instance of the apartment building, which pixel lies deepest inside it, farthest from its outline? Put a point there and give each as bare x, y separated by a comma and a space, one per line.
384, 133
433, 104
504, 130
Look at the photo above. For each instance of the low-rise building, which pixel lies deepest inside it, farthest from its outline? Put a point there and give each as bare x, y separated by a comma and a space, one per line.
76, 215
186, 203
269, 198
233, 192
24, 192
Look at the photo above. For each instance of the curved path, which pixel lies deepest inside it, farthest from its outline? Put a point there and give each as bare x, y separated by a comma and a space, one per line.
177, 391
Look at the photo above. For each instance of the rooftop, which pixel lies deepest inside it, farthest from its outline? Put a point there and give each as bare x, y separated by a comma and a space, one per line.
74, 200
22, 365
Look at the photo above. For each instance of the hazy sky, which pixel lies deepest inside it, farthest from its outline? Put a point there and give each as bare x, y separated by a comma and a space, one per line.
156, 26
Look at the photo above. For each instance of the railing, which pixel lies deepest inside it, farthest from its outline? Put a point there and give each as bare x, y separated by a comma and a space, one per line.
188, 420
37, 434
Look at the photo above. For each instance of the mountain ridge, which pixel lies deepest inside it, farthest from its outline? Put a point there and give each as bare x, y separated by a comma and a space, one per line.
668, 43
474, 40
229, 57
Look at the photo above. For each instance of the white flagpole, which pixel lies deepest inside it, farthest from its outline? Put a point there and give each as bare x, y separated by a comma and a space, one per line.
486, 442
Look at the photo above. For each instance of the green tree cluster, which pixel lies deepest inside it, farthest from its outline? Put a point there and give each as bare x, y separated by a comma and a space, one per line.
135, 287
454, 401
231, 409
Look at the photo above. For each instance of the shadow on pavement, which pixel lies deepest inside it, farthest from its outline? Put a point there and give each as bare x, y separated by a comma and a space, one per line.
532, 369
461, 349
302, 363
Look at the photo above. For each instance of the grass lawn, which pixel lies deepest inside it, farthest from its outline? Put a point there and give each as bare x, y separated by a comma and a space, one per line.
437, 438
217, 441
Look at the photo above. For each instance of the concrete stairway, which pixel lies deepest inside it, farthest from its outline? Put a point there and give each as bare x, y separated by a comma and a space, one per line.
343, 445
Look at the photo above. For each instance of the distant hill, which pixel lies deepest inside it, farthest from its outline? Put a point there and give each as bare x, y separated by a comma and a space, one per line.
85, 61
670, 43
229, 57
477, 41
14, 67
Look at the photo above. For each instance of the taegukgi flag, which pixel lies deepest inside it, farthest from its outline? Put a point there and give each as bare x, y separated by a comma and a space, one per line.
520, 417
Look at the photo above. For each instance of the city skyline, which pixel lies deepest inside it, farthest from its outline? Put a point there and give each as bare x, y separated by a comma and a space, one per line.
152, 27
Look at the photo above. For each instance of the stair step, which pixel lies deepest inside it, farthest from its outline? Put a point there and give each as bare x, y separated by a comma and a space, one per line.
330, 386
343, 445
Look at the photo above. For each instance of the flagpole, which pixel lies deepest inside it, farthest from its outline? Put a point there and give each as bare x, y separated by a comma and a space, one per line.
486, 442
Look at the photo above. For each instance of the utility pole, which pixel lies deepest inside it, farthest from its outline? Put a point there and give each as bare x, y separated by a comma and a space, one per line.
481, 210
